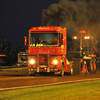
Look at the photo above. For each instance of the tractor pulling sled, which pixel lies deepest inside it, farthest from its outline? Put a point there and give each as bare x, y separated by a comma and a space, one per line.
47, 48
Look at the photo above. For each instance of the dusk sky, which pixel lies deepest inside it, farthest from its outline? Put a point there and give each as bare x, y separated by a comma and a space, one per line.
18, 16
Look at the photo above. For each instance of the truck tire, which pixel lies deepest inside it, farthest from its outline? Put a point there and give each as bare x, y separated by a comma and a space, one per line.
71, 72
94, 66
31, 73
90, 65
83, 67
77, 66
2, 62
62, 71
80, 68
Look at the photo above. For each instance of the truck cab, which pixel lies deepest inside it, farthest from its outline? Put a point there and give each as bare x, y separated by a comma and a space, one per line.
47, 49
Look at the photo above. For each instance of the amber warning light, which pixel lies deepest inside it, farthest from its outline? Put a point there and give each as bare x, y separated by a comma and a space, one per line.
82, 31
25, 42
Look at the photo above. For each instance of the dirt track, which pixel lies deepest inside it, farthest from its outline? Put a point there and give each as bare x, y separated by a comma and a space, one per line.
21, 78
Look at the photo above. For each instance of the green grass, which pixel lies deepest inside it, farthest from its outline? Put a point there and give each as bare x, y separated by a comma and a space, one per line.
12, 67
76, 91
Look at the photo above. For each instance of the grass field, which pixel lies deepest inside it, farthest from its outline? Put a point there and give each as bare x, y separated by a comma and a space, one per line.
76, 91
12, 67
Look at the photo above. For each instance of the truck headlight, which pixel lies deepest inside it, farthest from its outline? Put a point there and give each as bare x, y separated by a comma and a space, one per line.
55, 62
32, 61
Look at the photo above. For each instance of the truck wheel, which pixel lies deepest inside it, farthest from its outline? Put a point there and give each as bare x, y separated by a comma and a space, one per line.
2, 62
71, 72
77, 66
31, 73
83, 67
80, 68
90, 66
94, 66
62, 71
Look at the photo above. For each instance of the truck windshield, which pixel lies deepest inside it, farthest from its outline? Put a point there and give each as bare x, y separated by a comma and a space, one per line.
44, 39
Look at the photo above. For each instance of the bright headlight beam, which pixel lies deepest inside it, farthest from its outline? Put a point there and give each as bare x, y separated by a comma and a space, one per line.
87, 37
55, 62
32, 61
75, 37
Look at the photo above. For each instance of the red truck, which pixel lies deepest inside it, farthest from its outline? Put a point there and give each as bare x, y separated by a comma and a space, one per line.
47, 47
45, 55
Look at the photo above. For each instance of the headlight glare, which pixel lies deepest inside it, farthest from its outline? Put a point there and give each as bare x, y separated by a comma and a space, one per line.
55, 62
32, 61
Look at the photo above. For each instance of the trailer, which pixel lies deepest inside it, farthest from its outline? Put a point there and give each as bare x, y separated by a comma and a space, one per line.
22, 57
47, 49
5, 53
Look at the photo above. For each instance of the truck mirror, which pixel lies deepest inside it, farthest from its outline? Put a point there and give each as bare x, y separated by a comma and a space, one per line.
61, 38
25, 42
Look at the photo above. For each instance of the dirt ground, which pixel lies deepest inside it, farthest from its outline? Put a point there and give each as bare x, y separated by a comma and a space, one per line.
18, 78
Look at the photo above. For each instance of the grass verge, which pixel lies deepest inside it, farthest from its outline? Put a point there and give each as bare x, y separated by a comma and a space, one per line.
12, 67
76, 91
